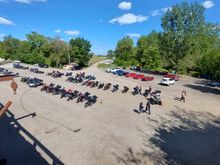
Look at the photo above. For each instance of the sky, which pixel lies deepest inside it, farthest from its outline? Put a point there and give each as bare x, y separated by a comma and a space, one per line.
102, 22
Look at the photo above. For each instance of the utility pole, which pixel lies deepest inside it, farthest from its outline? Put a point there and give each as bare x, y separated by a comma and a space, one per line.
69, 55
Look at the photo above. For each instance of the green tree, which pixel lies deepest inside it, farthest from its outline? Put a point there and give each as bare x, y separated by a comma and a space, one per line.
2, 51
148, 53
36, 40
180, 25
210, 64
124, 51
57, 50
80, 51
10, 45
110, 54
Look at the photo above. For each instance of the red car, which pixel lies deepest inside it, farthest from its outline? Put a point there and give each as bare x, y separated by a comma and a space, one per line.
147, 78
139, 76
173, 76
131, 75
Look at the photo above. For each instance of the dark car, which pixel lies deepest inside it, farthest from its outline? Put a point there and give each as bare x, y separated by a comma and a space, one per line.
120, 73
213, 84
43, 65
76, 67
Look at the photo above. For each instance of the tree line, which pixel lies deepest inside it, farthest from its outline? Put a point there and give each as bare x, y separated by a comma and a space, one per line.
188, 44
40, 49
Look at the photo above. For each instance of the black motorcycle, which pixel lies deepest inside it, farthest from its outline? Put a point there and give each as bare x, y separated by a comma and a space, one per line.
115, 88
82, 97
125, 90
91, 100
72, 95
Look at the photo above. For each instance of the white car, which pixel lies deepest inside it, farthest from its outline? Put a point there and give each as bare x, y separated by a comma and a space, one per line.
111, 70
167, 81
67, 67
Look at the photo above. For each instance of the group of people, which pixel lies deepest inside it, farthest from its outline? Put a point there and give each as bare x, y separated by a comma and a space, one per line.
147, 108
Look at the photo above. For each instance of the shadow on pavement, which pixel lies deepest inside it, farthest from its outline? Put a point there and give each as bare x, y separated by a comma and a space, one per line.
187, 138
205, 89
16, 149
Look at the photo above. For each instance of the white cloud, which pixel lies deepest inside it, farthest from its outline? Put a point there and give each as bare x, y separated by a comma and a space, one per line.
133, 35
129, 18
160, 11
29, 1
166, 9
125, 5
57, 31
155, 13
72, 32
208, 4
5, 21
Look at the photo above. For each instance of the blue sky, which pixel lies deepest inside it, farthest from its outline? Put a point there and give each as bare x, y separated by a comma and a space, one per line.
102, 22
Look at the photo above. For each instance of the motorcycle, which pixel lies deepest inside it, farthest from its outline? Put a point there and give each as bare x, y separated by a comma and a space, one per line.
91, 100
115, 88
125, 90
72, 95
82, 97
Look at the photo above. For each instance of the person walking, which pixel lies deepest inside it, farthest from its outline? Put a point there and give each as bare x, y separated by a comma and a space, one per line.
147, 108
14, 86
183, 95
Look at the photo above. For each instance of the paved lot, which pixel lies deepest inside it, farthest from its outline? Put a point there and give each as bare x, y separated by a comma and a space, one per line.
109, 132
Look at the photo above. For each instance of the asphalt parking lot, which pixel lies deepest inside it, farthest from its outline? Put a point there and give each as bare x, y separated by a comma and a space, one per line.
108, 132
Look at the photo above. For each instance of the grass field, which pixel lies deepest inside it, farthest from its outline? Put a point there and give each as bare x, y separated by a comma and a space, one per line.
96, 59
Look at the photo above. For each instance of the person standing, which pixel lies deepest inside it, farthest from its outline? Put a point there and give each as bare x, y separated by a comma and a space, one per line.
183, 95
141, 107
147, 109
14, 86
140, 90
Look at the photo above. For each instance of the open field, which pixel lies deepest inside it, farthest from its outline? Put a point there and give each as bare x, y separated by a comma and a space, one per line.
96, 59
110, 132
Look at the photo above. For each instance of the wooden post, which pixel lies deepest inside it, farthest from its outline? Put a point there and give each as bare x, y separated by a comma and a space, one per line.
5, 108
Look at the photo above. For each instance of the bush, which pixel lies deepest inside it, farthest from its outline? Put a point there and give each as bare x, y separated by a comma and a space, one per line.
103, 65
161, 70
195, 74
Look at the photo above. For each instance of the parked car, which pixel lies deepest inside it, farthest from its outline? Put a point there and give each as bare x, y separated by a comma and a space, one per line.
120, 72
148, 78
139, 76
173, 76
76, 67
43, 65
214, 84
130, 75
111, 70
67, 67
167, 81
135, 68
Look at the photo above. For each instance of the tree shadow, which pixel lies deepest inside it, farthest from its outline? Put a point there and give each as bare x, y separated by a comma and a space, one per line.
16, 149
186, 137
205, 89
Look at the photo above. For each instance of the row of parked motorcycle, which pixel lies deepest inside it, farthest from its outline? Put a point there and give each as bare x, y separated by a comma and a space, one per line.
154, 95
19, 66
6, 72
79, 78
32, 82
36, 70
55, 74
70, 94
